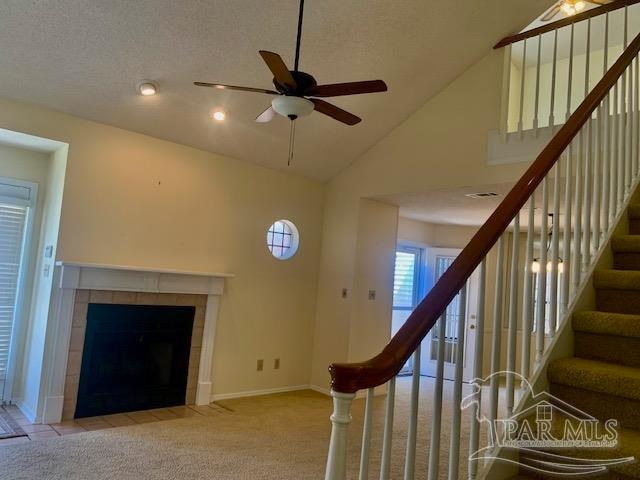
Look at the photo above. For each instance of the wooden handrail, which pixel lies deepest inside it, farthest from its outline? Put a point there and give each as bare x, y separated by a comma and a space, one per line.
594, 12
349, 378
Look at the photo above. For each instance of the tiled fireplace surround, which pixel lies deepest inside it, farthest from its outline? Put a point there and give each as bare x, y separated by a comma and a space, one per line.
78, 326
76, 285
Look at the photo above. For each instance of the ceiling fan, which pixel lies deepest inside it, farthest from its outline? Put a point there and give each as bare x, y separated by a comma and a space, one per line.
298, 93
571, 7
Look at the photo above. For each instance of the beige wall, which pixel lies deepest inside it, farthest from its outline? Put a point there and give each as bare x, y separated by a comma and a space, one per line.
442, 145
131, 199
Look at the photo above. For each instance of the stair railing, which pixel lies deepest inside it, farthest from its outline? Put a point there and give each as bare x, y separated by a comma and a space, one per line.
549, 70
582, 177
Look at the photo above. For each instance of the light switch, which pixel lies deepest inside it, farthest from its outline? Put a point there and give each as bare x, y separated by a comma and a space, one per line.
372, 294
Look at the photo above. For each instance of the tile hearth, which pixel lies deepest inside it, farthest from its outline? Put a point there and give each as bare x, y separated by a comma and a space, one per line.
70, 427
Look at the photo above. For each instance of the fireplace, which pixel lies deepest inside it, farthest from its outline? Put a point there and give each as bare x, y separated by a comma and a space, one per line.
135, 357
78, 285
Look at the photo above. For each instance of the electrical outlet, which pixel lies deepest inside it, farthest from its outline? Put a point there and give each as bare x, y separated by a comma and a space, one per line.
372, 294
260, 365
276, 364
344, 293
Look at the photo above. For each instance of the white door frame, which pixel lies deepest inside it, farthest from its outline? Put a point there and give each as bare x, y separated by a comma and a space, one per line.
428, 366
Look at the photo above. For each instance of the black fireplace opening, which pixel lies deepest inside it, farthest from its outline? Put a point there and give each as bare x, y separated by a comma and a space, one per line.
136, 357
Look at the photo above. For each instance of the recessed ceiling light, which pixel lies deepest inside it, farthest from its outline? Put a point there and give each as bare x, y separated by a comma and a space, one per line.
147, 88
219, 116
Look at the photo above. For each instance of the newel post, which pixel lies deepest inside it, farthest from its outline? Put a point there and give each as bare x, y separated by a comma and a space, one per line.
340, 419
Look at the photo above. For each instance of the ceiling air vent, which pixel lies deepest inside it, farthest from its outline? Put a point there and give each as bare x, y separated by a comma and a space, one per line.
482, 195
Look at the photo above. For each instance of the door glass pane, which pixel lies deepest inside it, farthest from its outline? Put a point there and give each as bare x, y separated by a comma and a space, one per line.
451, 318
406, 284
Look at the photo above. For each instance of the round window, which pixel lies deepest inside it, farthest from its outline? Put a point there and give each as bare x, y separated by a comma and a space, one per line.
282, 239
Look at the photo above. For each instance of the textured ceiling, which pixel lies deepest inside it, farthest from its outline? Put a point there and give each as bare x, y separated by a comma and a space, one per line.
85, 57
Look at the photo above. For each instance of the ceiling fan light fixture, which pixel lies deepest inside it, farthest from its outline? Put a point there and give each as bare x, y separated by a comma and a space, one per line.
292, 107
580, 6
147, 88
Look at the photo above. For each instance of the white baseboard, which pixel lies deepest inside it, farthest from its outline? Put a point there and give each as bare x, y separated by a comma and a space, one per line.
324, 391
256, 393
26, 411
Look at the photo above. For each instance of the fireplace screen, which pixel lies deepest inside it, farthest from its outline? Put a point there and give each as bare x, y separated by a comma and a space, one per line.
136, 357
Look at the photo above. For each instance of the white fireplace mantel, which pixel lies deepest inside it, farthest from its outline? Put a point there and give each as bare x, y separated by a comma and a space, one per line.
72, 276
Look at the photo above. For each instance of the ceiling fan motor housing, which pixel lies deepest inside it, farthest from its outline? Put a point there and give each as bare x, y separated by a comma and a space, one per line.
292, 107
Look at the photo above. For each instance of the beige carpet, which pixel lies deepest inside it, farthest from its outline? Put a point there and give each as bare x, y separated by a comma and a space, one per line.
283, 436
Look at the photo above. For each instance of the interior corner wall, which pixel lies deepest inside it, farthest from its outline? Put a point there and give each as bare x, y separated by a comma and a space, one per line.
443, 144
130, 199
370, 325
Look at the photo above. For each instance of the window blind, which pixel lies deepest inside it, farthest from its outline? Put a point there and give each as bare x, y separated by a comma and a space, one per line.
12, 228
404, 280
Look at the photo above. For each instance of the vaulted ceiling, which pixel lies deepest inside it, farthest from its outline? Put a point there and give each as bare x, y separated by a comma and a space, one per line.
85, 57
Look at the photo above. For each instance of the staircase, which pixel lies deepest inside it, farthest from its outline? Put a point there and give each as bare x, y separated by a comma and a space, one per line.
603, 378
533, 260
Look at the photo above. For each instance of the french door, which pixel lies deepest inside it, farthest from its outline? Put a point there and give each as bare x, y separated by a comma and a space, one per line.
438, 261
16, 199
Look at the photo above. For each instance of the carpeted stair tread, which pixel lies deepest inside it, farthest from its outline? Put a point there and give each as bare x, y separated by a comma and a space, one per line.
595, 376
633, 212
628, 446
616, 280
626, 243
607, 323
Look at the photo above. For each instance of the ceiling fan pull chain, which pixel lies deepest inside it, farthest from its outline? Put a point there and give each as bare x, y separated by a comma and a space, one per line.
299, 36
292, 138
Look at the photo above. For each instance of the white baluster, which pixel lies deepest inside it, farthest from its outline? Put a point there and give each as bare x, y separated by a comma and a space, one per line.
586, 233
523, 72
527, 303
554, 68
513, 313
566, 234
341, 418
537, 98
541, 297
636, 117
597, 178
412, 430
366, 436
620, 153
387, 438
570, 72
628, 126
474, 440
555, 247
436, 421
587, 70
497, 331
454, 445
577, 227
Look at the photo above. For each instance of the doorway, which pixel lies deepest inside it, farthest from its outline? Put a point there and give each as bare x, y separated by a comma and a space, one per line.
17, 198
438, 261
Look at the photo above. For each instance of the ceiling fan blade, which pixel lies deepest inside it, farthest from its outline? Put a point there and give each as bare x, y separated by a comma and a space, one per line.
335, 112
266, 116
350, 88
551, 14
233, 87
279, 69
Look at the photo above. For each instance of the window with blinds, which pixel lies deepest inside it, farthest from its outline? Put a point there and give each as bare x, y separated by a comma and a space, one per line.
405, 279
13, 220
